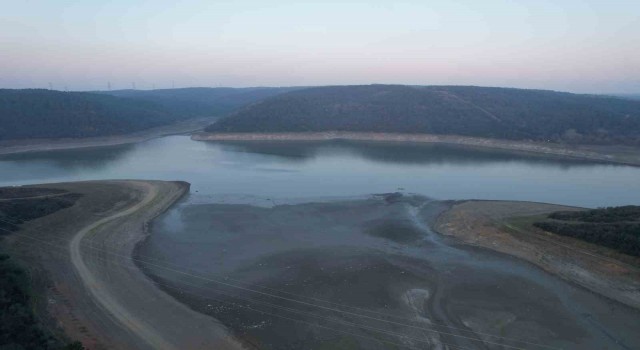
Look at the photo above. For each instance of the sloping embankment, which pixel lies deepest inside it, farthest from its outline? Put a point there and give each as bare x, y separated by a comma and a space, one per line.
94, 290
505, 226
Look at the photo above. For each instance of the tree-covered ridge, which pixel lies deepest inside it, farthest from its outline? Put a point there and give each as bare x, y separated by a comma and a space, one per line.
38, 113
202, 101
616, 227
54, 114
457, 110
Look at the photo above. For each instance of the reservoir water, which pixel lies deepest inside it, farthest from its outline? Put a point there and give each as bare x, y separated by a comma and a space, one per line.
289, 246
290, 171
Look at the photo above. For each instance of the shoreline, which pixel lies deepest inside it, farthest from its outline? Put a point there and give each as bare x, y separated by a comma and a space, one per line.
92, 289
626, 155
505, 227
42, 145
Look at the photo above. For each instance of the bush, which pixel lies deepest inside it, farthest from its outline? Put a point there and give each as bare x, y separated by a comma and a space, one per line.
19, 328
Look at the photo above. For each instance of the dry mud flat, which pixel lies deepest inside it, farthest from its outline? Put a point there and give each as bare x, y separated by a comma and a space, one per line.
370, 274
81, 259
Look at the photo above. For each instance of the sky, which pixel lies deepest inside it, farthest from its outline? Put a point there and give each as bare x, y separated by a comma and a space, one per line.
584, 46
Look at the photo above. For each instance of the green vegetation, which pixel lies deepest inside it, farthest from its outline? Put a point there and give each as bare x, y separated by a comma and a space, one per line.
55, 114
16, 211
199, 102
611, 214
19, 328
617, 227
37, 113
456, 110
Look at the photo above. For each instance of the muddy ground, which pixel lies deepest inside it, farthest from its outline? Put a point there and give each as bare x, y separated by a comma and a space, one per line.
369, 274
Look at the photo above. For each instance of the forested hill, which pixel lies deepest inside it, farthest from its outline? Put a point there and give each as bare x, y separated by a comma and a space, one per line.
198, 102
34, 113
457, 110
37, 113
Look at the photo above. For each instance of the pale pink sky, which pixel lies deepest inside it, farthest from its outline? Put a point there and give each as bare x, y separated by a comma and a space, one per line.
571, 45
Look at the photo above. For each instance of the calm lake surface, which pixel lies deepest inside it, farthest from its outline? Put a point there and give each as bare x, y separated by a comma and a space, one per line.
288, 171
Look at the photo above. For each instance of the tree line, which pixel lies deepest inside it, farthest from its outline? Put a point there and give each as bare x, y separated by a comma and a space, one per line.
617, 228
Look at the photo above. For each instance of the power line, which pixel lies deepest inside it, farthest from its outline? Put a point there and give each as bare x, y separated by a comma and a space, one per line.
249, 300
318, 306
298, 301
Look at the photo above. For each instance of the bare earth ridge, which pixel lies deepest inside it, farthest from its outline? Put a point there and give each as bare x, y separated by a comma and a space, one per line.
614, 154
81, 257
505, 226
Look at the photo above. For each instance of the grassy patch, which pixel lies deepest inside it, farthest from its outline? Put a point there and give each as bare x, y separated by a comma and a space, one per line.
19, 327
616, 228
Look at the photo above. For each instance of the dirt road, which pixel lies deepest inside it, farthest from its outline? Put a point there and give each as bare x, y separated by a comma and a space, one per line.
95, 292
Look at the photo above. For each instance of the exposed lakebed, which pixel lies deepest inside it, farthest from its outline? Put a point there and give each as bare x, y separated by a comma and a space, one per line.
368, 274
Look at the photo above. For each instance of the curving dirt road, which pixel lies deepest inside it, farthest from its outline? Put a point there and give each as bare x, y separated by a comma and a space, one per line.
98, 295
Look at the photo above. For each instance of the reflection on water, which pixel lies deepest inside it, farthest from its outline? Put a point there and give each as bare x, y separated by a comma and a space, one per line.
294, 170
395, 153
61, 162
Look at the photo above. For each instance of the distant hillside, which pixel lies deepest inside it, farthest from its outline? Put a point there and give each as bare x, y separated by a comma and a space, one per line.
202, 102
53, 114
36, 113
458, 110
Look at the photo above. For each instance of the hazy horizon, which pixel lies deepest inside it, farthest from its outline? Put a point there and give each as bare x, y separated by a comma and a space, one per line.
573, 46
618, 94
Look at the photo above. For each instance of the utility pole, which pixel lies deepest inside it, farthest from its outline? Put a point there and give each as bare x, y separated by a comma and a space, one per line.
173, 84
133, 84
50, 86
109, 86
